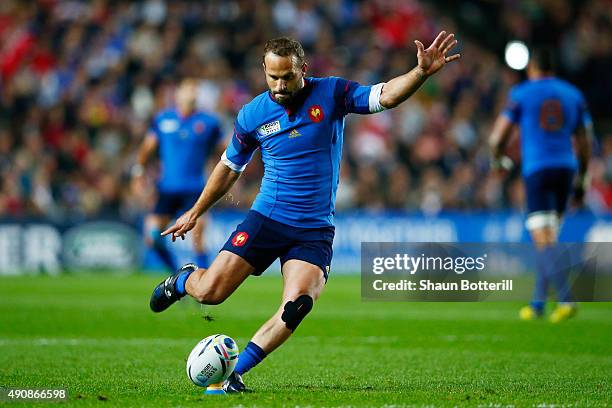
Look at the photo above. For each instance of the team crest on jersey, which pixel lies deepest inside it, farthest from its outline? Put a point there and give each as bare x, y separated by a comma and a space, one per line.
268, 128
240, 239
199, 126
316, 113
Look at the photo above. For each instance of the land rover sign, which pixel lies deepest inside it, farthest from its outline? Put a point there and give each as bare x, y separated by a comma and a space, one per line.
101, 245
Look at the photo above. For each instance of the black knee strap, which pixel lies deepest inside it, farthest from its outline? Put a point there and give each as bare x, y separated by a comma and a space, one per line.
295, 311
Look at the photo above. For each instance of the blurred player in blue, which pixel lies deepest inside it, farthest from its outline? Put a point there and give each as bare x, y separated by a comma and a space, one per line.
549, 112
298, 125
184, 137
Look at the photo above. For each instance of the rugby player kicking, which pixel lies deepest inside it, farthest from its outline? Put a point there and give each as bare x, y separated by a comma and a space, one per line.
298, 124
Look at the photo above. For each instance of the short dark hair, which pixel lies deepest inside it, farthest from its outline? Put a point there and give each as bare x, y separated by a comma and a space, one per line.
285, 47
544, 58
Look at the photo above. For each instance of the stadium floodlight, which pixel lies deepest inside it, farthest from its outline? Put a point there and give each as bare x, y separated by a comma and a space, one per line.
517, 55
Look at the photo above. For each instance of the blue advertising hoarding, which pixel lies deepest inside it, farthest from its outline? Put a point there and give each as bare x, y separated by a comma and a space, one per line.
356, 227
43, 245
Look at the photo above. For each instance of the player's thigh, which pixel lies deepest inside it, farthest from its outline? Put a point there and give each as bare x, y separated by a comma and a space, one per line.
306, 264
222, 278
302, 278
542, 207
229, 270
563, 182
258, 240
548, 192
540, 197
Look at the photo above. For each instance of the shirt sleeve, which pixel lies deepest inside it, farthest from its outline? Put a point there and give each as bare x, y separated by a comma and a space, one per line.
240, 149
351, 97
512, 110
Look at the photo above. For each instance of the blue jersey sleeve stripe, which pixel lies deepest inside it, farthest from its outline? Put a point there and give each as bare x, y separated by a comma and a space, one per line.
242, 140
351, 97
357, 98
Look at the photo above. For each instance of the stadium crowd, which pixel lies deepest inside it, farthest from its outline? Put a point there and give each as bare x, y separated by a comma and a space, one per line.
80, 81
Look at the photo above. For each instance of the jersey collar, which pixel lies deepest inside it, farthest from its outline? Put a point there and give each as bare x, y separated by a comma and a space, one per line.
292, 108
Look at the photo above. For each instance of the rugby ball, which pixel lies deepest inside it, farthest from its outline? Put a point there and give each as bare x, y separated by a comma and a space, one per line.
212, 360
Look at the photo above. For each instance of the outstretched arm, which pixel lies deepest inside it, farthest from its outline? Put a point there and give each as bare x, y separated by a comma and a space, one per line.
219, 183
430, 61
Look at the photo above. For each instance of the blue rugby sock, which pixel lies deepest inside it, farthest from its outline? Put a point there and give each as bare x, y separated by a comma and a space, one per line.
558, 273
160, 248
202, 260
180, 282
541, 282
249, 358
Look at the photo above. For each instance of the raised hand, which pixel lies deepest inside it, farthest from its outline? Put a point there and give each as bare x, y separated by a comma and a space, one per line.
434, 57
183, 224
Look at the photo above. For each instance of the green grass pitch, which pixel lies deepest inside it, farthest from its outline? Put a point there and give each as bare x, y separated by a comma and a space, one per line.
95, 336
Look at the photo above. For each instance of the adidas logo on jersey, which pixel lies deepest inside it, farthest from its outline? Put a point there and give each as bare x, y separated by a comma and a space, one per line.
294, 133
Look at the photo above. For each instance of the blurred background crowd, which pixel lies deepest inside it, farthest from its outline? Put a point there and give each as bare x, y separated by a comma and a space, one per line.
80, 81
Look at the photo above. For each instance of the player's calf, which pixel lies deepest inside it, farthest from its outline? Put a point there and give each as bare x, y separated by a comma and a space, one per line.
295, 311
274, 332
209, 295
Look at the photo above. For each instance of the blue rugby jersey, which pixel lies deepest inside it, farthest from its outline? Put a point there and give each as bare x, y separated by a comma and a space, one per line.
185, 143
548, 111
301, 147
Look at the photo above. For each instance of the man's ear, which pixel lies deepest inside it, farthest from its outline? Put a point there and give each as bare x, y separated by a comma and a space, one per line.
304, 68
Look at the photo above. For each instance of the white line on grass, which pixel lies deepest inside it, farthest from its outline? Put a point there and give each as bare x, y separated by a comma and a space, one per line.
139, 341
